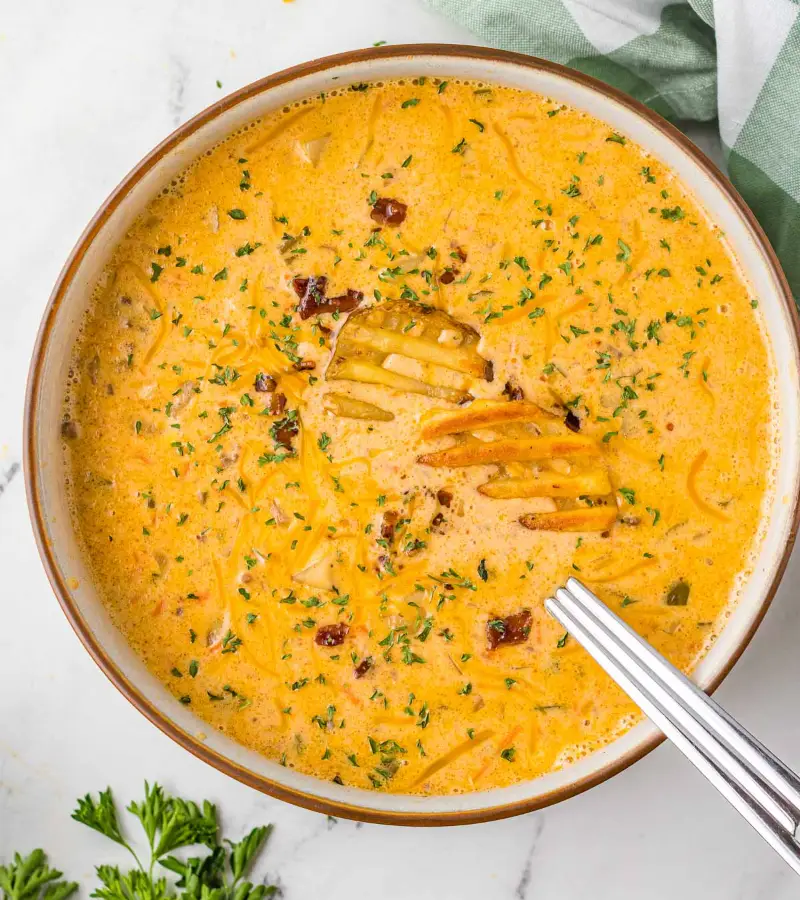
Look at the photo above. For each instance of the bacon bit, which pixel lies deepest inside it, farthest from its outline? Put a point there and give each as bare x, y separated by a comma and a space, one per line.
572, 422
265, 383
305, 365
313, 284
444, 497
670, 426
363, 667
345, 302
513, 629
277, 404
283, 431
311, 292
388, 524
452, 272
513, 391
386, 211
437, 520
331, 635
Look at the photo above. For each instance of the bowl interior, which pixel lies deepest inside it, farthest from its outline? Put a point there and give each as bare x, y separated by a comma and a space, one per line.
48, 501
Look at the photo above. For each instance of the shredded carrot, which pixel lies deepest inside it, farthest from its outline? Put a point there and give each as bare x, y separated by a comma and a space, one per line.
501, 744
448, 121
512, 155
279, 129
508, 318
576, 307
510, 736
351, 696
702, 380
395, 721
452, 755
482, 771
373, 118
158, 303
691, 488
622, 573
237, 496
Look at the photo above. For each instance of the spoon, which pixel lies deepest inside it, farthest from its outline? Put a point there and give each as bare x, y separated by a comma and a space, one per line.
762, 788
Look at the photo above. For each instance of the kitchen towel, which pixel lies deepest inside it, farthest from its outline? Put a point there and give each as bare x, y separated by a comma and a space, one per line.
732, 61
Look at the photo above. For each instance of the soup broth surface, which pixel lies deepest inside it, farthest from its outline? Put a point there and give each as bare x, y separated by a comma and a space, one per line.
375, 376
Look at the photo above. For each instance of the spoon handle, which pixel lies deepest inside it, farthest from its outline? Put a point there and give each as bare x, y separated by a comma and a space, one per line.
762, 788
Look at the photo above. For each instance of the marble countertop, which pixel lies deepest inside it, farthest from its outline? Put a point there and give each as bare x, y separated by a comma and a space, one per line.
87, 89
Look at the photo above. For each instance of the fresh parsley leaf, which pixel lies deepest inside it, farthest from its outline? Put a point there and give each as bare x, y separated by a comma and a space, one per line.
169, 823
100, 815
31, 878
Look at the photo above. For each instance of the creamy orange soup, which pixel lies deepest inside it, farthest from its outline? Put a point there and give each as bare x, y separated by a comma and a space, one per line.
371, 379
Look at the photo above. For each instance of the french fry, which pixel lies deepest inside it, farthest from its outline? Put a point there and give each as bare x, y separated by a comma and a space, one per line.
513, 450
595, 518
370, 373
483, 415
548, 484
386, 341
350, 408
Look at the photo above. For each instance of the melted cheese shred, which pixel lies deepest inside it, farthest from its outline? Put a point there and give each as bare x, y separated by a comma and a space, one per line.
302, 580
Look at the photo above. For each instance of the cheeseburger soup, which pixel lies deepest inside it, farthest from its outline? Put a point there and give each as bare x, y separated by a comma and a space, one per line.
371, 379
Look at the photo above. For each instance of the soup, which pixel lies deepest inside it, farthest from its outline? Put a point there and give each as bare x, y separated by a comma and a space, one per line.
368, 382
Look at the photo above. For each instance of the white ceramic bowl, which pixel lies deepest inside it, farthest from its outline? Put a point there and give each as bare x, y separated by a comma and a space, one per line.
45, 477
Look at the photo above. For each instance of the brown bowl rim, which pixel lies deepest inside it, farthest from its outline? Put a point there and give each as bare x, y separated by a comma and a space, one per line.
33, 489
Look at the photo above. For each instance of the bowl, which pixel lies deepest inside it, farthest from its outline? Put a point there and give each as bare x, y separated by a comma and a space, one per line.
50, 366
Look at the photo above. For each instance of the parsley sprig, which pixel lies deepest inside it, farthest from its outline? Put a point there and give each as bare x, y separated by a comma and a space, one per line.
169, 824
31, 878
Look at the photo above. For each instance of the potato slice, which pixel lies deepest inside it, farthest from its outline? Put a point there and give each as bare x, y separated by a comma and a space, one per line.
548, 484
318, 573
371, 335
370, 373
350, 408
595, 518
483, 414
457, 358
512, 450
312, 150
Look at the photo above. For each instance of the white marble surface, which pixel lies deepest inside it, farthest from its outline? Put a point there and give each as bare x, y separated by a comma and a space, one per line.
86, 88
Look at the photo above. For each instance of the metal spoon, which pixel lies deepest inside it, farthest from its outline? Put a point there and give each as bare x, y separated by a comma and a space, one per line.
764, 790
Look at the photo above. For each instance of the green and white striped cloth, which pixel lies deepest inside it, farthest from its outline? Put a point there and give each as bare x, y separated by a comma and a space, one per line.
733, 61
